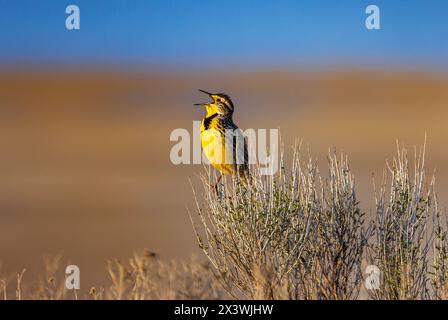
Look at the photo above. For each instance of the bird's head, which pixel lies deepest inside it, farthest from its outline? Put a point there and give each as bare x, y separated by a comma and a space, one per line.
221, 104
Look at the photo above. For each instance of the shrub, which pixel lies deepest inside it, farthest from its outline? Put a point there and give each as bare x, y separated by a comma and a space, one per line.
403, 240
290, 235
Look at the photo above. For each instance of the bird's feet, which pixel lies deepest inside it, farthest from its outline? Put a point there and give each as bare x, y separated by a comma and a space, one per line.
215, 185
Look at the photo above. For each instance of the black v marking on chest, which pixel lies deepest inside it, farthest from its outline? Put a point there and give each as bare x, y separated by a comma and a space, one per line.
208, 121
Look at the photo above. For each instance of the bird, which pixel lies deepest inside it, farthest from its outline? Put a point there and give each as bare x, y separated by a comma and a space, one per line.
222, 141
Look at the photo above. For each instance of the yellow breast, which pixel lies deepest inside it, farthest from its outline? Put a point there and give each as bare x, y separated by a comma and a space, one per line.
217, 151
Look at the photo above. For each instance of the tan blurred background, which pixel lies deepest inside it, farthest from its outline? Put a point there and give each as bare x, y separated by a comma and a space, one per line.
84, 160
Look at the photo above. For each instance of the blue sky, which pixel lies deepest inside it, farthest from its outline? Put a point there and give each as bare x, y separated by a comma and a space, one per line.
245, 32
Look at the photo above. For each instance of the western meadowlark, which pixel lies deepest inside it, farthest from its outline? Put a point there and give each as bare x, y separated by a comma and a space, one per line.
222, 141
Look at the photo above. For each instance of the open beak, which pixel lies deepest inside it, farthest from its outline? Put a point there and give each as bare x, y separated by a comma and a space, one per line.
203, 103
205, 92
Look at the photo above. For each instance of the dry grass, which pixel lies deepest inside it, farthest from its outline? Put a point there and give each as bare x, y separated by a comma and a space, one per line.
144, 276
297, 234
147, 277
47, 287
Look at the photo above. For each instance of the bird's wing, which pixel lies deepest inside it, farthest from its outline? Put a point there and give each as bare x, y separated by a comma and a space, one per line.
240, 156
